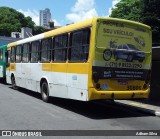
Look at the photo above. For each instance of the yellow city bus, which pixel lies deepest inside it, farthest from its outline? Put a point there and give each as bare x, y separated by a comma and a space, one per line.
100, 58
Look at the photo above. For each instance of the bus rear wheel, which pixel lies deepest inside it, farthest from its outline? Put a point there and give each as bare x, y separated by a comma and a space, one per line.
45, 91
13, 81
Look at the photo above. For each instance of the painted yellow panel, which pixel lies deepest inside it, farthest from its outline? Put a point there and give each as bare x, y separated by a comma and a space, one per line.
13, 67
7, 69
12, 44
80, 68
95, 94
46, 67
54, 67
69, 28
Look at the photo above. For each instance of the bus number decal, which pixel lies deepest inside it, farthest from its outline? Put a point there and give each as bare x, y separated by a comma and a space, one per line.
131, 87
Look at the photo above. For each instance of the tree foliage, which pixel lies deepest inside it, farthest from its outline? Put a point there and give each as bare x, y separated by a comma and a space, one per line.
127, 9
12, 21
145, 11
151, 16
38, 30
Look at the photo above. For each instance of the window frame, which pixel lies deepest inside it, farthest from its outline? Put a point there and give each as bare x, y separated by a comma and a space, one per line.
13, 61
20, 54
28, 53
82, 45
61, 48
48, 50
37, 51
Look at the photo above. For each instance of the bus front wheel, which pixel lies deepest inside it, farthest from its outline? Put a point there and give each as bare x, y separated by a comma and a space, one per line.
45, 91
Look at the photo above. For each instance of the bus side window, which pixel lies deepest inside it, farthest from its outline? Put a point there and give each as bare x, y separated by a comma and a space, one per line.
79, 45
46, 50
7, 57
18, 53
13, 56
25, 53
35, 51
60, 48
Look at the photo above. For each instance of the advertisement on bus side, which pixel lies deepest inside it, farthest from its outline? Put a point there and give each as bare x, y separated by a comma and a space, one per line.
122, 50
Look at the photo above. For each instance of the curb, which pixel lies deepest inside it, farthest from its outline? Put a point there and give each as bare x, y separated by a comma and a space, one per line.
139, 106
157, 113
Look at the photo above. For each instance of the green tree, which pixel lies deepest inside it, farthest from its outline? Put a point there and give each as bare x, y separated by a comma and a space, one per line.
145, 11
151, 16
38, 30
12, 21
127, 9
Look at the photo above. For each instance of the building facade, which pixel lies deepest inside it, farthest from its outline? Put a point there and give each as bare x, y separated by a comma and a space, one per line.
25, 33
44, 17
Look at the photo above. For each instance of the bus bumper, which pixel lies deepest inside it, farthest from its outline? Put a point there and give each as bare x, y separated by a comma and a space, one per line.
133, 94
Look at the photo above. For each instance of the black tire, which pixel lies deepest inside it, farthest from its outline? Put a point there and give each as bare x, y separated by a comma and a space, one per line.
45, 91
107, 54
13, 81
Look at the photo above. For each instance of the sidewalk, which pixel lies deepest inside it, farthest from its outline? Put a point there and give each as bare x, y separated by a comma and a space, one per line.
143, 106
152, 104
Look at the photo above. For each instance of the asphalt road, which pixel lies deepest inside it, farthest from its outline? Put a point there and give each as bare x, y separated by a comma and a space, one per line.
24, 110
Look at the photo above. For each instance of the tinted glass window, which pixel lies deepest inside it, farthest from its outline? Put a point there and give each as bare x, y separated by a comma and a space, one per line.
60, 48
46, 50
34, 51
8, 57
125, 47
13, 54
18, 53
79, 46
25, 54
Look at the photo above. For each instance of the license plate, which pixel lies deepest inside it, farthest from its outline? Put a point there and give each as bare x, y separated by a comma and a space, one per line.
121, 82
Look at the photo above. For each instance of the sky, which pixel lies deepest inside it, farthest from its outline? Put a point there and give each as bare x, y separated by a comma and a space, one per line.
62, 11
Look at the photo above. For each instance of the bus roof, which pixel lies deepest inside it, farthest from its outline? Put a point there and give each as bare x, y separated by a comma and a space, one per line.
57, 31
71, 27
